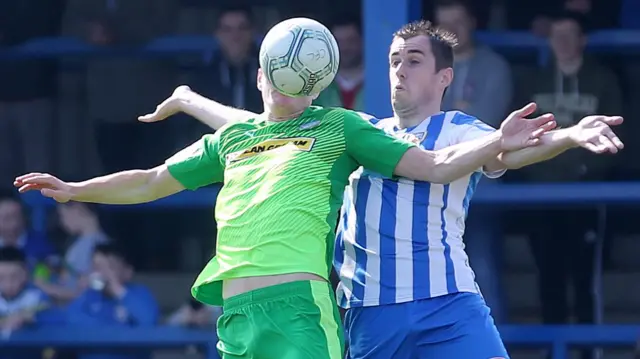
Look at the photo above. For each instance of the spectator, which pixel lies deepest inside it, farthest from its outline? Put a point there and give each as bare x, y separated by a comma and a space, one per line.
20, 303
563, 243
482, 87
482, 83
230, 77
195, 314
82, 223
597, 14
14, 233
28, 89
346, 90
112, 299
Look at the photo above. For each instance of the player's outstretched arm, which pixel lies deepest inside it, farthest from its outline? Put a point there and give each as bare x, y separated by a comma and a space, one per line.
127, 187
207, 111
450, 163
387, 155
592, 133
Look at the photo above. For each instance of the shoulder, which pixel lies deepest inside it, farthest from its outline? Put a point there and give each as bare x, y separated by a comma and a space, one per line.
31, 296
458, 120
594, 66
140, 290
492, 58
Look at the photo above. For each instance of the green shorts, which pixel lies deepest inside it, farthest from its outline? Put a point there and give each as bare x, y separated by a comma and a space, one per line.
297, 320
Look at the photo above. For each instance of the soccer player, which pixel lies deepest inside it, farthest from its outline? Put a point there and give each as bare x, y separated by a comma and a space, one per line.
405, 278
284, 176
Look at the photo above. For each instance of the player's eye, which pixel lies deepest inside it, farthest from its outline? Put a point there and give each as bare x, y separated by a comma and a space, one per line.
394, 63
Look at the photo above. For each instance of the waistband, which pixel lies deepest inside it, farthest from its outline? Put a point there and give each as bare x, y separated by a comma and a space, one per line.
274, 292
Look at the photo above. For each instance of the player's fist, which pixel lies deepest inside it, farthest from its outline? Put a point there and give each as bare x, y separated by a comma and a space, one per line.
595, 134
168, 107
47, 184
519, 132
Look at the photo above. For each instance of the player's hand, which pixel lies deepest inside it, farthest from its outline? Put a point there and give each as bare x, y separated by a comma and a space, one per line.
48, 185
595, 134
168, 107
519, 132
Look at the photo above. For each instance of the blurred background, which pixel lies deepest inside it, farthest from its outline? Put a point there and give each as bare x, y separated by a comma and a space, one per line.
552, 244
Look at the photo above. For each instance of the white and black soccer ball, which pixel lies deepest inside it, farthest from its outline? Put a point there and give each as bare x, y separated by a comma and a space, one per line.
300, 57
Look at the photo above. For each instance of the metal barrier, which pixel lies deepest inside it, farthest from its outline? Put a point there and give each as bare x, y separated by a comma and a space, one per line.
556, 338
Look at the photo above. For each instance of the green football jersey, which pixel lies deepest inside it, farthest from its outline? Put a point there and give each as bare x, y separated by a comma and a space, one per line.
282, 192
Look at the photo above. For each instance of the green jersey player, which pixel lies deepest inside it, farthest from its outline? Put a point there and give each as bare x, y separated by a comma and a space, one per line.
283, 175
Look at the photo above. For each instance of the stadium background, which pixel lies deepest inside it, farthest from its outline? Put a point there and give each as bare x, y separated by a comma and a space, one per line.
75, 74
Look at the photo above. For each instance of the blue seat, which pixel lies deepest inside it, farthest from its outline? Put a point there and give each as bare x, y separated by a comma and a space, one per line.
182, 43
621, 41
56, 46
511, 40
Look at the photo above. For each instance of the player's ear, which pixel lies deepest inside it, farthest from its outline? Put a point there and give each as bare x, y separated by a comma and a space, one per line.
259, 79
446, 76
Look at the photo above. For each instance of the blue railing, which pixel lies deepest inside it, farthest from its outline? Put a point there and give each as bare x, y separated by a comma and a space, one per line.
173, 45
558, 339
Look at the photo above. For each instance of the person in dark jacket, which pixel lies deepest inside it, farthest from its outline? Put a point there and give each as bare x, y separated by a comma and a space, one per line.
564, 242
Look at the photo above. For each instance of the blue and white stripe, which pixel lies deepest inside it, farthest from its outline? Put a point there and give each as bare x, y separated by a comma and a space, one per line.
401, 240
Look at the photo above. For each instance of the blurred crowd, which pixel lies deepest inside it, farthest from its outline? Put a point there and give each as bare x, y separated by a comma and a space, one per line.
76, 118
85, 280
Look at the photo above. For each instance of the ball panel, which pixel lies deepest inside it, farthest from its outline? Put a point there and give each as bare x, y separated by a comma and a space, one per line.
287, 81
300, 57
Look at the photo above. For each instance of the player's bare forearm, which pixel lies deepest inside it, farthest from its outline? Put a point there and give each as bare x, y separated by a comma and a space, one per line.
127, 187
553, 144
212, 113
448, 164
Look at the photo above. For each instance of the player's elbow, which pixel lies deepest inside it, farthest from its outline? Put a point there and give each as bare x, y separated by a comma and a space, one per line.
426, 166
441, 168
159, 184
505, 161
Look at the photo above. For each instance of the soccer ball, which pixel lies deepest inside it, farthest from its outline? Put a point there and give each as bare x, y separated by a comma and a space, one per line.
300, 57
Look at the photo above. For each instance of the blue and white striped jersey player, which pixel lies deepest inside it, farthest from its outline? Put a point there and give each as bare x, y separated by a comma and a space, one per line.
405, 278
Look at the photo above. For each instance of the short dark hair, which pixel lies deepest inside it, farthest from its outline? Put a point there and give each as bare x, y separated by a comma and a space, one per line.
235, 9
466, 5
12, 255
566, 15
442, 42
111, 249
348, 19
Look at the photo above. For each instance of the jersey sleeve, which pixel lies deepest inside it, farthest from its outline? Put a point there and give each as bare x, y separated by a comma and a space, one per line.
467, 128
371, 147
199, 164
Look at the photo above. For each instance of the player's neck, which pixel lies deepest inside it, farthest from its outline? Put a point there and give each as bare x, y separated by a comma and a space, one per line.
413, 117
280, 117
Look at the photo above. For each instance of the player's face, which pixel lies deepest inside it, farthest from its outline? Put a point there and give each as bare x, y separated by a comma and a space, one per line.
567, 40
13, 277
456, 20
350, 45
412, 74
278, 104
